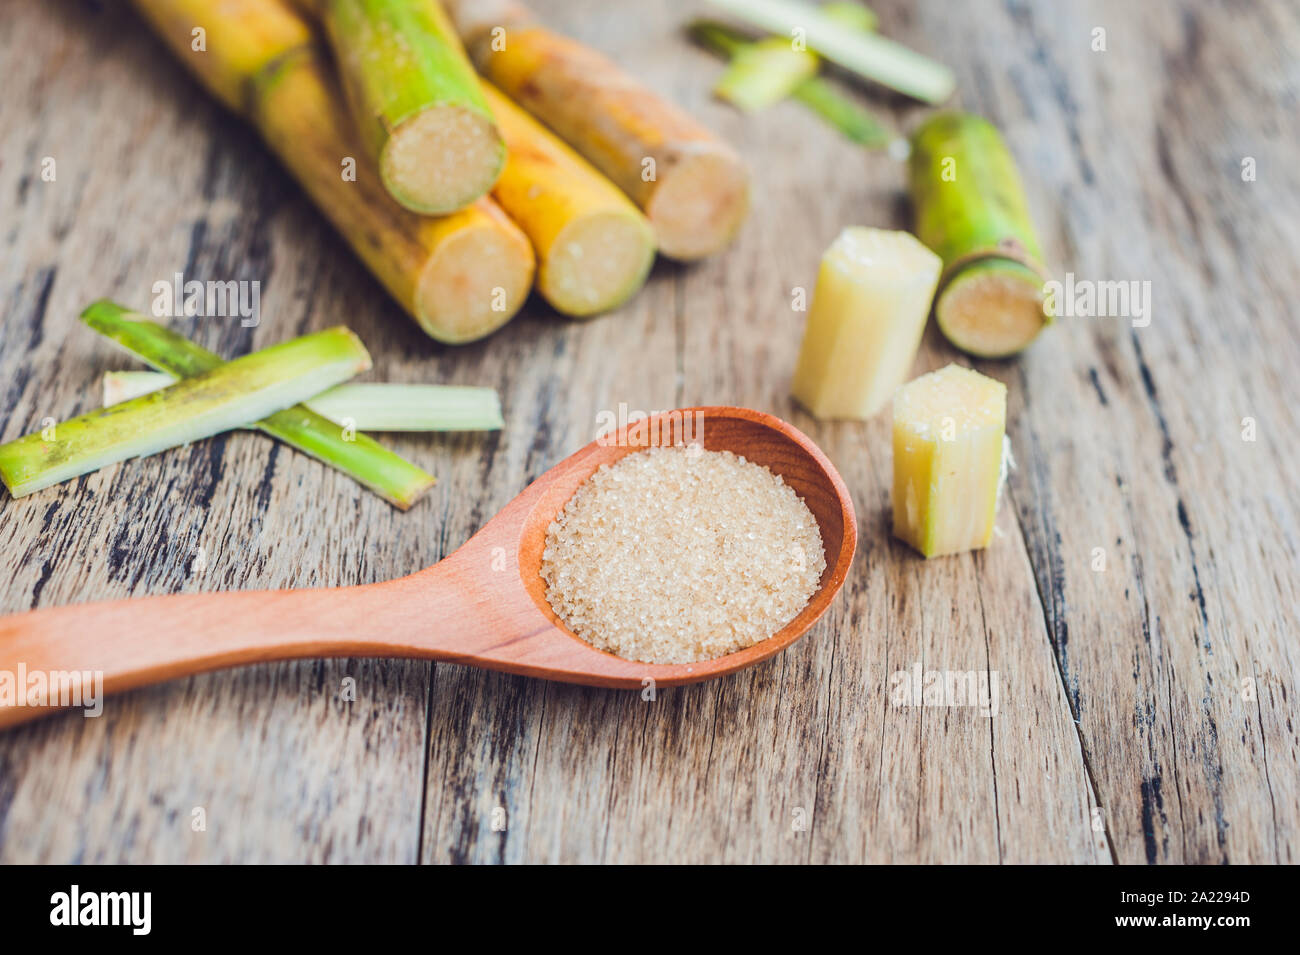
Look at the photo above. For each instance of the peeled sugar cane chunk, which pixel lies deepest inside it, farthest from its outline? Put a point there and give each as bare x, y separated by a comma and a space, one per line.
949, 438
864, 327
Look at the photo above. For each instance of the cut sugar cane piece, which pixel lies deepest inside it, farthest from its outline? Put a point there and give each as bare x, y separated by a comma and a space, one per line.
971, 209
949, 429
594, 247
370, 406
854, 122
693, 187
394, 407
873, 296
237, 393
416, 100
358, 456
863, 52
460, 277
764, 73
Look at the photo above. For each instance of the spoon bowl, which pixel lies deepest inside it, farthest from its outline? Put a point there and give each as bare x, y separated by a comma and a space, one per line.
483, 605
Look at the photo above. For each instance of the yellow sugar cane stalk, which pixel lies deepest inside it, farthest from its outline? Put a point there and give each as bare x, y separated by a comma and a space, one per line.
594, 247
227, 44
416, 100
693, 187
461, 276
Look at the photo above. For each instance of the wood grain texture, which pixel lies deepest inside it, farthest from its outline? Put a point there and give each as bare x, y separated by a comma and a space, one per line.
1145, 709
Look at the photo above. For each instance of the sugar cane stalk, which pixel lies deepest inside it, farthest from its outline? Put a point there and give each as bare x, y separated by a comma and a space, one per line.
227, 45
461, 276
594, 247
765, 72
232, 395
970, 208
358, 456
416, 100
861, 51
854, 122
691, 185
371, 406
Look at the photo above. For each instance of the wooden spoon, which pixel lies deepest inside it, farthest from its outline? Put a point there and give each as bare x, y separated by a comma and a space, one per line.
484, 605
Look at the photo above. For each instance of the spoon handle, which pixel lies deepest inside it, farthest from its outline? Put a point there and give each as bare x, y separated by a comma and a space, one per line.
62, 656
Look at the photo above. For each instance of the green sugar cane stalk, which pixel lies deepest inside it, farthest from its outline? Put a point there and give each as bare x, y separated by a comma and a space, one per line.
371, 406
842, 41
229, 396
970, 208
853, 122
362, 458
416, 99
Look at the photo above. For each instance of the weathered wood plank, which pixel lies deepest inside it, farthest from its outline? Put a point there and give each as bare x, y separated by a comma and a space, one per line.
1122, 702
1131, 437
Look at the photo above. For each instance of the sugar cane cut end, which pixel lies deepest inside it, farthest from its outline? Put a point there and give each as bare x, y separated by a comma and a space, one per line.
992, 308
442, 159
597, 263
700, 203
475, 282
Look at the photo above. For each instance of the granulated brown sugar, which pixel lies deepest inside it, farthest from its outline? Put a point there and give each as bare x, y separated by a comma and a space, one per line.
673, 555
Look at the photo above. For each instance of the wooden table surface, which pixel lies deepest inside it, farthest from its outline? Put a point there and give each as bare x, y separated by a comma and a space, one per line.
1138, 607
